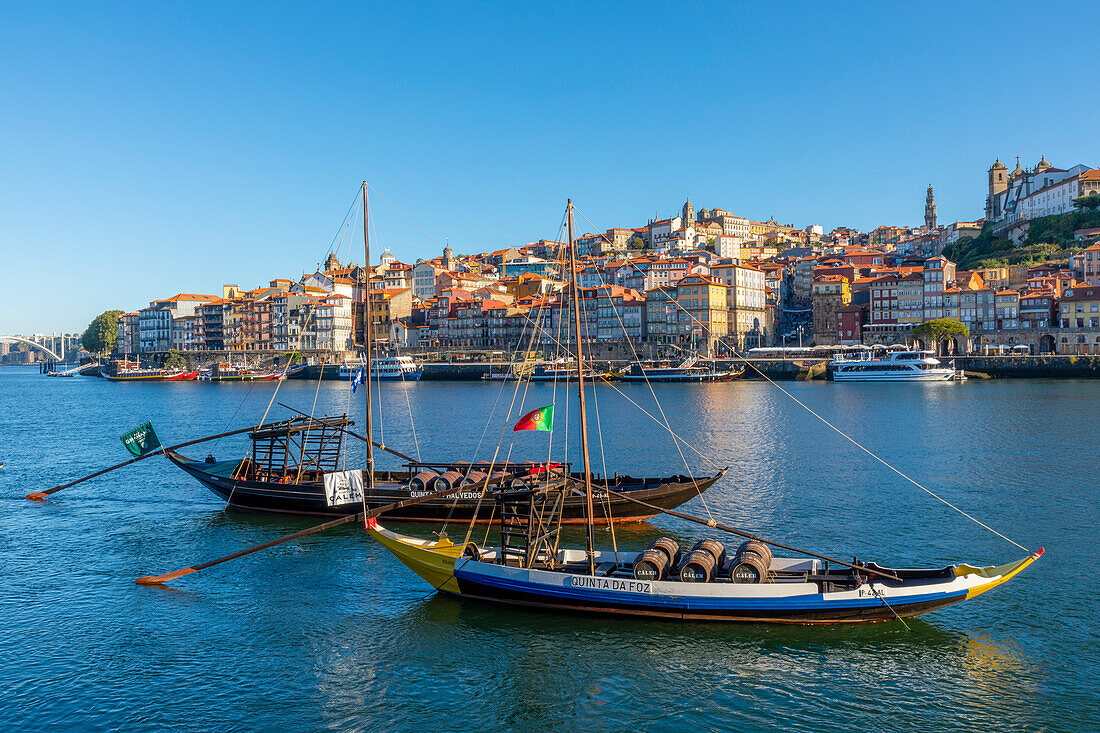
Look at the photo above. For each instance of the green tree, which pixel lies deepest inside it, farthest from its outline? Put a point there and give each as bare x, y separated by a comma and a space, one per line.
101, 335
1087, 202
940, 329
635, 242
175, 360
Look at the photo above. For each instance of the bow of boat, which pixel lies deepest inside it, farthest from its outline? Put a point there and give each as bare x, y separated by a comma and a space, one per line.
432, 560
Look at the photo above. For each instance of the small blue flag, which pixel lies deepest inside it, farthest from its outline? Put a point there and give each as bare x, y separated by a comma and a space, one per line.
357, 379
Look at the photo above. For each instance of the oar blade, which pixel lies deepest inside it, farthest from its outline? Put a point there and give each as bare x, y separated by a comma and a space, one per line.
37, 496
162, 579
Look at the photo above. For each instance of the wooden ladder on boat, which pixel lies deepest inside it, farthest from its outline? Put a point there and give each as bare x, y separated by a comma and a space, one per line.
529, 527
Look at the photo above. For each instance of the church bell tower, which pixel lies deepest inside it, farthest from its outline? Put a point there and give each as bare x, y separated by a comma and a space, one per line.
930, 209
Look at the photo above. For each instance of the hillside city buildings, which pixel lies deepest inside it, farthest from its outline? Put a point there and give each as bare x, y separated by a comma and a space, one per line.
704, 281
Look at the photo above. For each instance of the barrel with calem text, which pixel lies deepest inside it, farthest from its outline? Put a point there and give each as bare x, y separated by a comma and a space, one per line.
751, 563
656, 560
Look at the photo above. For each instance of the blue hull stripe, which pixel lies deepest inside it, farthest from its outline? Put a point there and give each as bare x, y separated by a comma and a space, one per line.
807, 602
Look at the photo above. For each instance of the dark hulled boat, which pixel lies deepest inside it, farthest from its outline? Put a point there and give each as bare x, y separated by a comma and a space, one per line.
285, 469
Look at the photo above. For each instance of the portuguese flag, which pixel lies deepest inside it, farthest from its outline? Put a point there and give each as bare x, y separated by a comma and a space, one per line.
540, 419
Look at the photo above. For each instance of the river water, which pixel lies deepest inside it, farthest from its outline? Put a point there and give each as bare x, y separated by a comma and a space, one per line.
332, 633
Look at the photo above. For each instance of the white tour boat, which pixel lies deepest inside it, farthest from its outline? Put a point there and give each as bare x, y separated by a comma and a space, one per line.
388, 369
900, 366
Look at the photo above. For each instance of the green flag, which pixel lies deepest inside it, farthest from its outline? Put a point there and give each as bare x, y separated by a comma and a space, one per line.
141, 440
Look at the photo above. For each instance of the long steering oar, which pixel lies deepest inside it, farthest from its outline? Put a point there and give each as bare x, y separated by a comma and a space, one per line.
41, 495
361, 516
751, 536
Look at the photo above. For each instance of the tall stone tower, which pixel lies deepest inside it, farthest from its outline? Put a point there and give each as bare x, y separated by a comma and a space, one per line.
930, 209
998, 184
689, 214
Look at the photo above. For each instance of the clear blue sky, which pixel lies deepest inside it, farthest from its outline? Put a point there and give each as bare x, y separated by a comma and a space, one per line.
149, 148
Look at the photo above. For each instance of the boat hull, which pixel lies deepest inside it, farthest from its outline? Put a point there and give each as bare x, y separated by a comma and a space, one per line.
308, 498
710, 377
180, 377
929, 375
809, 599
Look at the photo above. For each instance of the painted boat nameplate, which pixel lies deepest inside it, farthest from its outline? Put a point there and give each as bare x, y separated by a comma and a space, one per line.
614, 584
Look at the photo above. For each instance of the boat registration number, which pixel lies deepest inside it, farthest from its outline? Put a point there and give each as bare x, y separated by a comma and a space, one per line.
630, 586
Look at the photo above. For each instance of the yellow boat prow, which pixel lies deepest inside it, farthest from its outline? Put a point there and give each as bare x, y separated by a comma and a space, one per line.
432, 560
998, 575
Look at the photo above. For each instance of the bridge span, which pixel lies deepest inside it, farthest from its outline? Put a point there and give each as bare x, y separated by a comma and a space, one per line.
40, 347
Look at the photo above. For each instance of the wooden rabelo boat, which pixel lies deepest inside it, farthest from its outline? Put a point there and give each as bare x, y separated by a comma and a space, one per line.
123, 370
284, 472
708, 582
287, 466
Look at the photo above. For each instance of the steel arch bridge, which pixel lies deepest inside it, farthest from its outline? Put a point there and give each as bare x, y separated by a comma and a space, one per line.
22, 340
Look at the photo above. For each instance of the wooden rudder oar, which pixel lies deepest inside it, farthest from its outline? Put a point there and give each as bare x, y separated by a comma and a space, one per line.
41, 495
361, 516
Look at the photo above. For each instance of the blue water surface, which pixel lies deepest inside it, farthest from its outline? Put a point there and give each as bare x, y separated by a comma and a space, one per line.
332, 633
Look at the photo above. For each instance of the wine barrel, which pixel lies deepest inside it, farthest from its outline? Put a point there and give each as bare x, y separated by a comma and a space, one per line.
697, 567
714, 547
473, 477
669, 547
651, 565
748, 568
446, 481
422, 480
497, 479
751, 563
759, 548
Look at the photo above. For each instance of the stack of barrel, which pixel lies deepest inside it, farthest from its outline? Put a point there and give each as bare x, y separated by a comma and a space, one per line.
751, 563
457, 476
657, 560
423, 480
704, 562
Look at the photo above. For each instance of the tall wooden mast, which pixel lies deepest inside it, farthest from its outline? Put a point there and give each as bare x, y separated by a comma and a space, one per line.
589, 538
368, 337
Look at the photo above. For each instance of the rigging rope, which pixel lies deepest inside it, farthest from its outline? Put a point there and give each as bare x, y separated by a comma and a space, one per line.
864, 448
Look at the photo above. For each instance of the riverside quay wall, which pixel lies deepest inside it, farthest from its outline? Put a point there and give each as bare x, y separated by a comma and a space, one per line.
1050, 366
1008, 366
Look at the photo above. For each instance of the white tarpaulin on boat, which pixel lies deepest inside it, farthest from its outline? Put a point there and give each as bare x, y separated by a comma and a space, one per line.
343, 487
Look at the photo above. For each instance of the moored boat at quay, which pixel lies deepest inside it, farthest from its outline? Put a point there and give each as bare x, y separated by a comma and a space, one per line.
688, 370
895, 366
229, 373
387, 369
126, 371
